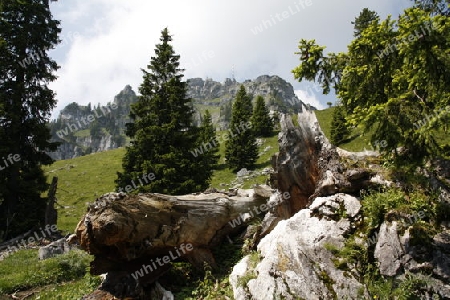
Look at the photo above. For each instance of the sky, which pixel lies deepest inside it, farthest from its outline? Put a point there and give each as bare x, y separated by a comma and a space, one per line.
106, 43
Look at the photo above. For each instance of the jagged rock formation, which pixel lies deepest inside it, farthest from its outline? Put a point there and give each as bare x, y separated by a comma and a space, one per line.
267, 86
85, 129
297, 161
106, 129
279, 95
293, 261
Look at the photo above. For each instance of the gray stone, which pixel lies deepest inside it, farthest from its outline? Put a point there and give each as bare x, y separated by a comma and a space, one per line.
53, 249
294, 262
160, 293
388, 250
242, 172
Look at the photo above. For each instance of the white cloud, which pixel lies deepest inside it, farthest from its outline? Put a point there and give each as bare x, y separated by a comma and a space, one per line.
309, 98
117, 38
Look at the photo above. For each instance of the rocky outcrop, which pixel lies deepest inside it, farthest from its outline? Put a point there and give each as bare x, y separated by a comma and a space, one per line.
106, 126
397, 255
308, 166
83, 129
82, 146
297, 161
293, 261
265, 85
58, 247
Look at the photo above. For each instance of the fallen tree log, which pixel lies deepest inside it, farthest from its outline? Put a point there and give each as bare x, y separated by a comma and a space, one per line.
126, 233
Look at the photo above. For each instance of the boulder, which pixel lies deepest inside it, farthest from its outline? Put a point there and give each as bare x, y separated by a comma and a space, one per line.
293, 261
55, 248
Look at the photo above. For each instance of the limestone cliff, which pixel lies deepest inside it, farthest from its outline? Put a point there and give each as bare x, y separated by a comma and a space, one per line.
87, 129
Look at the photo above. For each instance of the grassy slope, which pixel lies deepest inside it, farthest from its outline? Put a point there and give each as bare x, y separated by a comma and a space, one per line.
358, 140
82, 180
23, 271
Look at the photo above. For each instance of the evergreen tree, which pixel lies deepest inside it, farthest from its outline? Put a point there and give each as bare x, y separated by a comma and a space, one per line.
162, 132
394, 74
262, 123
27, 32
210, 147
339, 129
365, 18
241, 150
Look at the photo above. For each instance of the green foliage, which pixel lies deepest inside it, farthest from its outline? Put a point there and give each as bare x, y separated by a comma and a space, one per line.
23, 270
212, 283
28, 31
442, 213
262, 123
254, 259
394, 74
210, 288
208, 141
362, 22
223, 176
294, 119
241, 149
339, 128
96, 130
389, 288
162, 132
72, 290
376, 205
82, 180
226, 112
353, 258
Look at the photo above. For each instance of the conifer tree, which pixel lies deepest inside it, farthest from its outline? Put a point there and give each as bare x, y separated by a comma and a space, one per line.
210, 145
241, 150
339, 129
162, 132
27, 32
394, 73
262, 123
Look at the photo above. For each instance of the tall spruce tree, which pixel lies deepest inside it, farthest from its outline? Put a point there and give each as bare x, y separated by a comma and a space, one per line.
339, 129
262, 123
27, 32
241, 150
365, 18
210, 147
162, 131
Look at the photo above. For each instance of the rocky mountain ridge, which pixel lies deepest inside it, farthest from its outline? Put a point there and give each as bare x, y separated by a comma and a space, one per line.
85, 129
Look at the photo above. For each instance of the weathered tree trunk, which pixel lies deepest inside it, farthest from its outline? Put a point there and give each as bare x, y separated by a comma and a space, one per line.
127, 232
297, 161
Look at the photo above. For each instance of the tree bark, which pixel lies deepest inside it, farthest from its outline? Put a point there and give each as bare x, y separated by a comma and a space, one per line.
51, 214
126, 232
